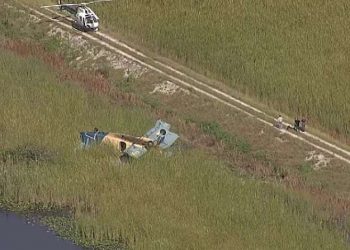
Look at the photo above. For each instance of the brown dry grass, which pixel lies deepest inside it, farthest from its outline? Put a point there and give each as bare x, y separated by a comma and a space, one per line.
92, 81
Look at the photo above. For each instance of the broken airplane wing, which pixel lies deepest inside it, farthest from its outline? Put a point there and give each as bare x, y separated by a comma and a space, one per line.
161, 134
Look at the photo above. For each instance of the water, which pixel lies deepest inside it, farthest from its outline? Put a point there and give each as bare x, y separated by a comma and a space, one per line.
18, 233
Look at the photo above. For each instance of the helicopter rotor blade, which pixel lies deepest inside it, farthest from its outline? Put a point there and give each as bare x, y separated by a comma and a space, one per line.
74, 4
59, 5
97, 1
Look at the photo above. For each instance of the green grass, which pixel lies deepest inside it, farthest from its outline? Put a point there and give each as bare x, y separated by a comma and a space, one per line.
233, 142
187, 201
291, 55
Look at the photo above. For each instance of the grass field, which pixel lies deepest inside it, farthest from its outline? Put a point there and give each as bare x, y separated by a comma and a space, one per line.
187, 201
291, 55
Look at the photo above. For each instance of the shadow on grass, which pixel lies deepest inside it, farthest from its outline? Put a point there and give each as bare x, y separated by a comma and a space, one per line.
233, 142
27, 154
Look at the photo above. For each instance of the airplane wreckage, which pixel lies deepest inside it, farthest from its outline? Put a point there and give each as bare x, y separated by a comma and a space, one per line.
132, 146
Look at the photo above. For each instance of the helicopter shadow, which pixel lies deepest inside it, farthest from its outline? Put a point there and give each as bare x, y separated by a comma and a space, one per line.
78, 27
63, 19
55, 18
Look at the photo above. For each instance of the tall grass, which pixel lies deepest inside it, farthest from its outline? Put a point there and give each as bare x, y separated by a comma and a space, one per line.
186, 201
292, 55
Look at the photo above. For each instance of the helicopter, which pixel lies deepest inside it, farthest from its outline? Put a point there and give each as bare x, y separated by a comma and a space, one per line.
84, 17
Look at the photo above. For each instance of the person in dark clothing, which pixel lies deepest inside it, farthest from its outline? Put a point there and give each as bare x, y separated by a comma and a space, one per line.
95, 133
302, 125
296, 126
161, 136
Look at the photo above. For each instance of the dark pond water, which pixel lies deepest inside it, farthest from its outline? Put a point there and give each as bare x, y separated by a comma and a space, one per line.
19, 233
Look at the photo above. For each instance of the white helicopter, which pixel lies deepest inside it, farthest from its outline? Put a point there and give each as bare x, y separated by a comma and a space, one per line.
84, 17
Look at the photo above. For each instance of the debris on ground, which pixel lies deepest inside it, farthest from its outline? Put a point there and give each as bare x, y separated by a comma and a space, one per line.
95, 53
168, 88
320, 161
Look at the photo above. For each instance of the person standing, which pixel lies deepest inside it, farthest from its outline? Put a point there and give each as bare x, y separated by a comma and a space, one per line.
279, 123
302, 125
95, 133
296, 126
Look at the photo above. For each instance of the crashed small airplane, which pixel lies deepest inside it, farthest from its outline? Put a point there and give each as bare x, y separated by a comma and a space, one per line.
132, 146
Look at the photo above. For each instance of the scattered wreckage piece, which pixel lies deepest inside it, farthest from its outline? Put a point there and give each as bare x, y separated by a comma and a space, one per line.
132, 146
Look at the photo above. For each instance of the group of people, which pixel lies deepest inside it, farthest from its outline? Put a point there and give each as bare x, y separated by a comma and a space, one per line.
299, 125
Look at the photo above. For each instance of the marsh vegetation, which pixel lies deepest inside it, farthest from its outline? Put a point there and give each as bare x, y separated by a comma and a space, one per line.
189, 200
291, 55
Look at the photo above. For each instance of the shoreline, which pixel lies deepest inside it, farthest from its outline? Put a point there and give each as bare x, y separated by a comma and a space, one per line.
56, 223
